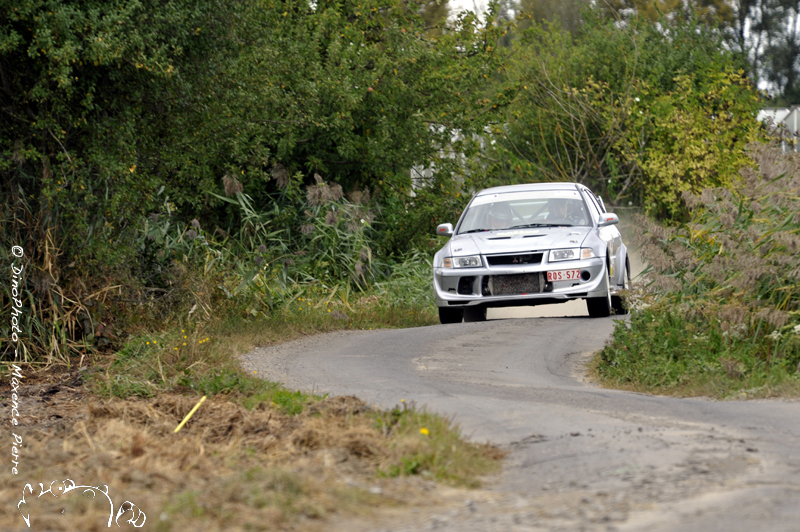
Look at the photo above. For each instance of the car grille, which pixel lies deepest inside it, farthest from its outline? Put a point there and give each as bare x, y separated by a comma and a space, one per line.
507, 285
521, 258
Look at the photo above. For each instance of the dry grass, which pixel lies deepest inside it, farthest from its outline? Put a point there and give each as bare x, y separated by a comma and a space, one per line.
229, 468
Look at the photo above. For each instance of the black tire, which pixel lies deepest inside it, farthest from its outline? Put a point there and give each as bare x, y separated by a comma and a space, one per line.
618, 303
600, 307
450, 315
477, 313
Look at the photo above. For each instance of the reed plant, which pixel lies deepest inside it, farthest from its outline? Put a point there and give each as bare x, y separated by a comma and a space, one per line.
310, 243
720, 312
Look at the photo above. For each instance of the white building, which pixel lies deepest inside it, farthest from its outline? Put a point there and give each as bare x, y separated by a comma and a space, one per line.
785, 121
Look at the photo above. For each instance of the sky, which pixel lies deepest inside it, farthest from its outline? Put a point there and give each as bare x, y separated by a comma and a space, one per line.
468, 5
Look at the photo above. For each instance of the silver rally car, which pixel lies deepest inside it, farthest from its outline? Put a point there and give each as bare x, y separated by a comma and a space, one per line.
531, 244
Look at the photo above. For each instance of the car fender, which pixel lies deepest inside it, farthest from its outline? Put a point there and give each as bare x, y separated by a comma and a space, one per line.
619, 265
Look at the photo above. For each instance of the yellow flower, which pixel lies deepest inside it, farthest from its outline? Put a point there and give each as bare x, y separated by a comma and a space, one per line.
148, 343
424, 431
402, 400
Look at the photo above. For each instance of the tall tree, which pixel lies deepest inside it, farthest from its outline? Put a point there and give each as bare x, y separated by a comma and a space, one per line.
566, 12
435, 14
781, 61
109, 106
717, 13
640, 111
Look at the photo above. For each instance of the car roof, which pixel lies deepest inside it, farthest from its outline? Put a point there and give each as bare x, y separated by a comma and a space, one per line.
530, 187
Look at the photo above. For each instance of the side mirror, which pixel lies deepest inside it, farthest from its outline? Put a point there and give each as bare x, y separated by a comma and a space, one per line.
606, 219
444, 230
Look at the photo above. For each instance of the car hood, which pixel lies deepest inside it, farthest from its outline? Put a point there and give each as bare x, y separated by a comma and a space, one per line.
517, 240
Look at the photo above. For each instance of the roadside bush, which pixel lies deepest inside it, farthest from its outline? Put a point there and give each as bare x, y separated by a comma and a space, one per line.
315, 245
312, 244
725, 288
114, 110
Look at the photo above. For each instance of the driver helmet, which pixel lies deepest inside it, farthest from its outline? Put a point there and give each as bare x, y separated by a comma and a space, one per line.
557, 207
499, 215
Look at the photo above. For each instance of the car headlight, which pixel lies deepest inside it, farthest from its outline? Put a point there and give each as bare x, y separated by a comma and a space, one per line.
471, 261
570, 254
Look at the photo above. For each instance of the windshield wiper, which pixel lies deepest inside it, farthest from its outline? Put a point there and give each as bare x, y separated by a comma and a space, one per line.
473, 231
539, 225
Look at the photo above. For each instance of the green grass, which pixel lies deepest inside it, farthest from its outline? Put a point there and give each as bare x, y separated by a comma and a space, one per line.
201, 357
429, 445
661, 351
290, 402
724, 314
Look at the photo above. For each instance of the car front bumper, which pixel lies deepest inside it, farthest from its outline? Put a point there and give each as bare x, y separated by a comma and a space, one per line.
462, 287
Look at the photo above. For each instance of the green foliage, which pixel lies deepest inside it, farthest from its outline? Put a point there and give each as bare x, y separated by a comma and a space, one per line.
727, 304
291, 402
713, 13
566, 14
435, 14
116, 111
695, 137
638, 112
661, 351
409, 283
86, 87
428, 445
764, 32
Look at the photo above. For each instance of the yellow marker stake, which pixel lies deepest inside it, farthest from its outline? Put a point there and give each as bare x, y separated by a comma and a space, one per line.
190, 414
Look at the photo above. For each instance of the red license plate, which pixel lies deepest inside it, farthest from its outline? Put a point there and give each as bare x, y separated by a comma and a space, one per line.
563, 275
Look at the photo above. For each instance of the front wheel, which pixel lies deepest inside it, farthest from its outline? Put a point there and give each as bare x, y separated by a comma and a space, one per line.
477, 313
600, 307
450, 315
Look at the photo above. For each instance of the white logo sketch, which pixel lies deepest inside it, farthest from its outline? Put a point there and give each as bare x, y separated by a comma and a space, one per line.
69, 485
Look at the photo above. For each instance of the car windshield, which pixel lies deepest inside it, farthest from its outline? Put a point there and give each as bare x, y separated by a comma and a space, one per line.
518, 210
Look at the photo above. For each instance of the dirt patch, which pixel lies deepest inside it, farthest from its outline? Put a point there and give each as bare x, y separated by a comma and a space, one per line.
583, 368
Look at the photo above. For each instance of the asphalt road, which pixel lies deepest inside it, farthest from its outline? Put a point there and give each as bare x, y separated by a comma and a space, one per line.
583, 458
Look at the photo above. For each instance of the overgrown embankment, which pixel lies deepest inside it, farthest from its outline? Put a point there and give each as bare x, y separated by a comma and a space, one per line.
719, 312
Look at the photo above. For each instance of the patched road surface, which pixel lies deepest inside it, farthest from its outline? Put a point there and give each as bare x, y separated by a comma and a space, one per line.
583, 458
